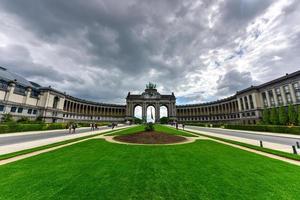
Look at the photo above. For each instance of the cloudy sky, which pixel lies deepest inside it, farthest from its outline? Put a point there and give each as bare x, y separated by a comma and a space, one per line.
101, 49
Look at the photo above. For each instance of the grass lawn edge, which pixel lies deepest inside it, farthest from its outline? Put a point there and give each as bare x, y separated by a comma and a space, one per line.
250, 146
31, 150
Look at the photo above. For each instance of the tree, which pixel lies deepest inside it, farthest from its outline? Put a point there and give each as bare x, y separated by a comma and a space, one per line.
266, 116
274, 116
7, 118
137, 120
23, 120
164, 120
292, 114
283, 118
299, 115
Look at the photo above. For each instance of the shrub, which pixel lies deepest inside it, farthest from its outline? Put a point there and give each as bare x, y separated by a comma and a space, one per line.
266, 116
137, 120
7, 118
266, 128
23, 120
149, 127
299, 115
292, 114
282, 116
164, 120
274, 116
54, 126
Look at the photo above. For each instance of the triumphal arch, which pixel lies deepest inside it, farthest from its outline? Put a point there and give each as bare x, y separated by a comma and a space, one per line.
150, 97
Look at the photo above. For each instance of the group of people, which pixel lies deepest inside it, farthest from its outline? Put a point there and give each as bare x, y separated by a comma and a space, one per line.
177, 125
93, 126
72, 127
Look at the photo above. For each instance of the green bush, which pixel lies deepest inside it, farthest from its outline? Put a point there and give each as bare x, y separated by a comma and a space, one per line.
274, 116
205, 124
14, 127
267, 128
292, 114
137, 120
266, 116
282, 116
164, 120
53, 126
149, 127
7, 118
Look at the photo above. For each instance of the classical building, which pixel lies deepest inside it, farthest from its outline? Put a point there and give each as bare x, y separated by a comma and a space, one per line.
22, 98
150, 98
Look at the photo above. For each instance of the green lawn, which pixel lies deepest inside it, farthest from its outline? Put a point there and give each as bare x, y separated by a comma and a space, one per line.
96, 169
158, 128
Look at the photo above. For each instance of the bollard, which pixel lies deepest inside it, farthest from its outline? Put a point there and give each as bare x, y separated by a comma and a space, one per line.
298, 145
294, 149
261, 144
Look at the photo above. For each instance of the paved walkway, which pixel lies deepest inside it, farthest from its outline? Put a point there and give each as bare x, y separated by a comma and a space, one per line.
279, 142
11, 143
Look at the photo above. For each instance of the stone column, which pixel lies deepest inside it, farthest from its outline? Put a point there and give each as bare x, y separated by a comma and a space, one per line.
292, 92
144, 111
283, 95
157, 112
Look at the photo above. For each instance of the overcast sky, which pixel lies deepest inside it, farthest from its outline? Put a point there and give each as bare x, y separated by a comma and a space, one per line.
200, 50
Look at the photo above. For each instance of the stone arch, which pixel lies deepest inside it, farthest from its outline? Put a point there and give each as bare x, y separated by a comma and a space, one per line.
138, 111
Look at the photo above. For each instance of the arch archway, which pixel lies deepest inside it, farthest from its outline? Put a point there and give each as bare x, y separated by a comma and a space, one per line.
164, 111
150, 114
137, 112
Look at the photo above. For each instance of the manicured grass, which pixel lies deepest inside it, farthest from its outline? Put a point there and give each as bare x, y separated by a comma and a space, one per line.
171, 130
96, 169
157, 127
250, 146
26, 151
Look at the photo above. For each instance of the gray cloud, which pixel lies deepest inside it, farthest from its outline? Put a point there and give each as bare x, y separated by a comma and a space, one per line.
100, 50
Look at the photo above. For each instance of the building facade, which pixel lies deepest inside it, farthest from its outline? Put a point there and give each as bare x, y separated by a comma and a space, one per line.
22, 98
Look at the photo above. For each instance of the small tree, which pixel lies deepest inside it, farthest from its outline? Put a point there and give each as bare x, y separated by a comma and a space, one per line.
266, 116
283, 118
292, 115
23, 120
7, 118
138, 120
274, 116
299, 115
164, 120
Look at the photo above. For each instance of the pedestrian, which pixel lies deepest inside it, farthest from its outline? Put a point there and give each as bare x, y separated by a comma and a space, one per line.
70, 128
176, 125
74, 126
113, 125
183, 126
96, 126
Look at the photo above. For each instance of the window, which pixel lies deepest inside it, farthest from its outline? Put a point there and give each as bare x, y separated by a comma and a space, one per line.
251, 102
264, 97
13, 109
288, 98
35, 93
296, 86
20, 110
20, 90
1, 108
297, 94
34, 112
277, 91
242, 104
272, 101
29, 111
3, 85
279, 98
286, 89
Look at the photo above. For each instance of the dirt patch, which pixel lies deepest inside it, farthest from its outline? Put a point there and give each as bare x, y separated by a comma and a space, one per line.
150, 137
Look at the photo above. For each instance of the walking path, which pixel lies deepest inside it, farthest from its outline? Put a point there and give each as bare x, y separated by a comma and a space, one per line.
279, 142
14, 143
10, 160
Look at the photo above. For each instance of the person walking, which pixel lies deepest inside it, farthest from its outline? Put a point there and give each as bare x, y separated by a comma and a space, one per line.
183, 125
70, 128
74, 126
176, 125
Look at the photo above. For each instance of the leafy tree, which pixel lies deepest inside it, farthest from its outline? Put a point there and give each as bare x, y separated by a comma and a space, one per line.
274, 116
299, 115
164, 120
137, 120
23, 120
7, 118
266, 116
39, 119
283, 118
292, 114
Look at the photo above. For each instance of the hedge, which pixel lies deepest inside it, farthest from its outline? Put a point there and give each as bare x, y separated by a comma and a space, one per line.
266, 128
204, 124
